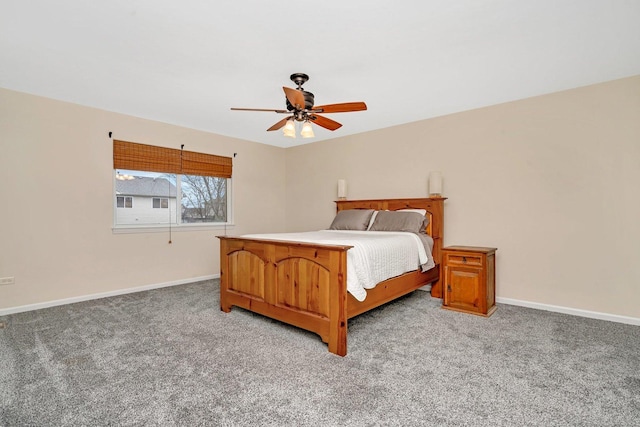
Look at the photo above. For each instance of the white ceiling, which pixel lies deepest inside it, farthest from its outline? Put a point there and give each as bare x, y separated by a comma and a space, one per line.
188, 62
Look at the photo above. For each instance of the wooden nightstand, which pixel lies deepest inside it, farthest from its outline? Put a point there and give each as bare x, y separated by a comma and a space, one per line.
469, 279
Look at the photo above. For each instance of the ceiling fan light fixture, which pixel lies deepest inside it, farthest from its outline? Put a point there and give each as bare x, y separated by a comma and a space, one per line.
307, 130
289, 129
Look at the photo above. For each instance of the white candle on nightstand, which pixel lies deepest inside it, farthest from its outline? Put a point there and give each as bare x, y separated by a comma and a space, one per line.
342, 189
435, 184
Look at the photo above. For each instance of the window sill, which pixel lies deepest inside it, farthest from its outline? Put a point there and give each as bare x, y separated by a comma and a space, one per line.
133, 229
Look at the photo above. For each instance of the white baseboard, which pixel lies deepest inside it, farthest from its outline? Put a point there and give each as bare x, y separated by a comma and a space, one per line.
564, 310
38, 306
571, 311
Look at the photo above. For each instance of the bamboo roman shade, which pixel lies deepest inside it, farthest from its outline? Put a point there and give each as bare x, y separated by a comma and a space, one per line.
134, 156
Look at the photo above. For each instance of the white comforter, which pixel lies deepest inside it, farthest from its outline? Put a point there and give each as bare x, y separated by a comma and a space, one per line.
376, 255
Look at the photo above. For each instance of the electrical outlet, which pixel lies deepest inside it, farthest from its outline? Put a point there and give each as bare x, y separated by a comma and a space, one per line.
7, 280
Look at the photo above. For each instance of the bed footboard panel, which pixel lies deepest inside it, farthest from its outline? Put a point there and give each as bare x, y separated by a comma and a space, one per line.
300, 284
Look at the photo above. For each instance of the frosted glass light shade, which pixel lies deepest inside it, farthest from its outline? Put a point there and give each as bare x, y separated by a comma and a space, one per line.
307, 130
342, 189
435, 184
289, 129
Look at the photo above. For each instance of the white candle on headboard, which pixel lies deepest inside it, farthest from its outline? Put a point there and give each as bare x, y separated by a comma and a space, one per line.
342, 189
435, 184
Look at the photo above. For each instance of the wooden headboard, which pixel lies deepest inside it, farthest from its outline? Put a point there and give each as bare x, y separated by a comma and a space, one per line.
434, 207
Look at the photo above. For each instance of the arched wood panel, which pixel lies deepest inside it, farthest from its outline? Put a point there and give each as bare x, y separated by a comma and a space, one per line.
246, 272
303, 284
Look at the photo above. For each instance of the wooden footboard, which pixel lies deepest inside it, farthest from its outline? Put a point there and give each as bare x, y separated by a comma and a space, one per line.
300, 284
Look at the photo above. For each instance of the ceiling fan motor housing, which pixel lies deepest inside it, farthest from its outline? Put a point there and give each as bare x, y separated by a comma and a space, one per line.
308, 101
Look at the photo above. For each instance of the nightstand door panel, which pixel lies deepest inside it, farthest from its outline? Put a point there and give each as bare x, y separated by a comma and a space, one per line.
463, 288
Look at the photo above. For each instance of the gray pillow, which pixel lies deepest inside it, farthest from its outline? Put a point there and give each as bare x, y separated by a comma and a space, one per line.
352, 219
398, 221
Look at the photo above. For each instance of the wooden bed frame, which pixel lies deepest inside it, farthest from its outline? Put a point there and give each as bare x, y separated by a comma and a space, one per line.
305, 284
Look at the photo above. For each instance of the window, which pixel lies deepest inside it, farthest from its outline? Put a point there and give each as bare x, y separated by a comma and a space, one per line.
170, 187
160, 203
125, 202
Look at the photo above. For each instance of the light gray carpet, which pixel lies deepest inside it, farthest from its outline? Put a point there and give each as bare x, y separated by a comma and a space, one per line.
171, 357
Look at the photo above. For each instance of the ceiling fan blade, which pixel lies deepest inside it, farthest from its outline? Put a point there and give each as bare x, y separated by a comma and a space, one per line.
340, 108
279, 125
324, 122
260, 109
295, 97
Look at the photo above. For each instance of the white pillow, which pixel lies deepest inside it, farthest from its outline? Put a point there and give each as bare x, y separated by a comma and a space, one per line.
373, 218
422, 212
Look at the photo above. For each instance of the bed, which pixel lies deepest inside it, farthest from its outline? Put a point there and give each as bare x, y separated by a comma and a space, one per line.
304, 284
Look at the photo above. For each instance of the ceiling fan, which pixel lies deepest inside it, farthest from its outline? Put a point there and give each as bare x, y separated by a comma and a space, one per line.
300, 107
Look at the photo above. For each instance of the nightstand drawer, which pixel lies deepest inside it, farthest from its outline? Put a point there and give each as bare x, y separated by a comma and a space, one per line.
465, 259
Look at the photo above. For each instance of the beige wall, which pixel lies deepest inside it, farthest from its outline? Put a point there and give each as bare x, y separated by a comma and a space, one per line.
56, 215
551, 181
